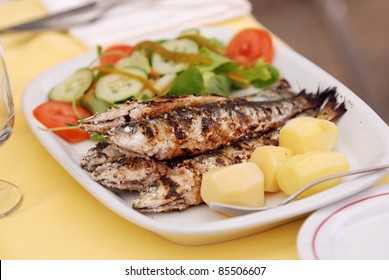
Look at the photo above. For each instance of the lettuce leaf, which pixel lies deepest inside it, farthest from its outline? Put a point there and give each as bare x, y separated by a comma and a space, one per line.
260, 75
275, 76
189, 81
216, 83
217, 60
259, 72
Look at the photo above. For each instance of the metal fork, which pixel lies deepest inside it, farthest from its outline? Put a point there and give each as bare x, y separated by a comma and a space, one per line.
83, 14
242, 210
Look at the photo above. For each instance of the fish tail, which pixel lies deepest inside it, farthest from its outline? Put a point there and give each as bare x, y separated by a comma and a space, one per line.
314, 100
331, 109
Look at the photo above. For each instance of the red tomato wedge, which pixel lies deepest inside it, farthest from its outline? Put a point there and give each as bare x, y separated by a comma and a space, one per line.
248, 45
114, 53
57, 114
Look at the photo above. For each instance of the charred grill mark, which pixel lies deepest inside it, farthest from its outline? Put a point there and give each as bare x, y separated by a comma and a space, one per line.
206, 124
172, 186
149, 132
100, 148
242, 116
220, 161
190, 164
279, 109
237, 146
179, 134
177, 130
127, 118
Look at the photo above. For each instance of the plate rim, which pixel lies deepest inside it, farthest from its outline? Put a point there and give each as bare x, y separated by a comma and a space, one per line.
313, 224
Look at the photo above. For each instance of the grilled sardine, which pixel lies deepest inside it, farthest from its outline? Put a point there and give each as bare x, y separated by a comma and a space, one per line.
195, 130
101, 153
133, 110
134, 174
112, 169
180, 187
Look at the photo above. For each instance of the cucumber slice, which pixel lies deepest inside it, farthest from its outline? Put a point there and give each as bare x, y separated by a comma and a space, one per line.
136, 59
73, 87
164, 66
163, 84
94, 104
145, 95
114, 88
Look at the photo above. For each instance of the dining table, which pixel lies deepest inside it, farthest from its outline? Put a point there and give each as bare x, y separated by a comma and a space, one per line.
59, 219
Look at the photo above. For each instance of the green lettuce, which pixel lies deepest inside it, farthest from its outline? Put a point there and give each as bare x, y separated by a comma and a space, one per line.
216, 83
217, 60
189, 81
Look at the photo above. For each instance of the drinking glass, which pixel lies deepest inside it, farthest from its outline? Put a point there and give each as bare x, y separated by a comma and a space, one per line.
10, 196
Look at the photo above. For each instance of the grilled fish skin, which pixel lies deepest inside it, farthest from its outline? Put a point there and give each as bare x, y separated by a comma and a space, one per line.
134, 174
180, 187
112, 169
280, 90
133, 110
195, 130
101, 153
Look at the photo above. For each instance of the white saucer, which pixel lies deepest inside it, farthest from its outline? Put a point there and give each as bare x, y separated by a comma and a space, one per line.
354, 228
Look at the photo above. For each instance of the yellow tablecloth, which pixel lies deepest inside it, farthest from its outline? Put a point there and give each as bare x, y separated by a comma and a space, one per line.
58, 218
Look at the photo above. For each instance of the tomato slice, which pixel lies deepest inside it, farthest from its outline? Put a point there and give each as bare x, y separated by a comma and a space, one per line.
56, 114
250, 44
114, 53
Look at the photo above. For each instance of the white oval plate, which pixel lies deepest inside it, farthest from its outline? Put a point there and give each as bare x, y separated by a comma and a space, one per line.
364, 138
354, 228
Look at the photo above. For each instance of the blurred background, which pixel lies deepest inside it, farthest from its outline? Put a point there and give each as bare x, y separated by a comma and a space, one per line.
348, 39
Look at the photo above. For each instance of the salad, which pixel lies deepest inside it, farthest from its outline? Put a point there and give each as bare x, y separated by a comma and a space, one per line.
188, 64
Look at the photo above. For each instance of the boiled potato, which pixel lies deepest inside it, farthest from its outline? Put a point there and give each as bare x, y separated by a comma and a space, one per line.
268, 158
302, 169
238, 184
305, 134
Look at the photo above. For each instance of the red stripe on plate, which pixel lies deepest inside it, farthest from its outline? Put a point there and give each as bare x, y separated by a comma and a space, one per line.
313, 243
